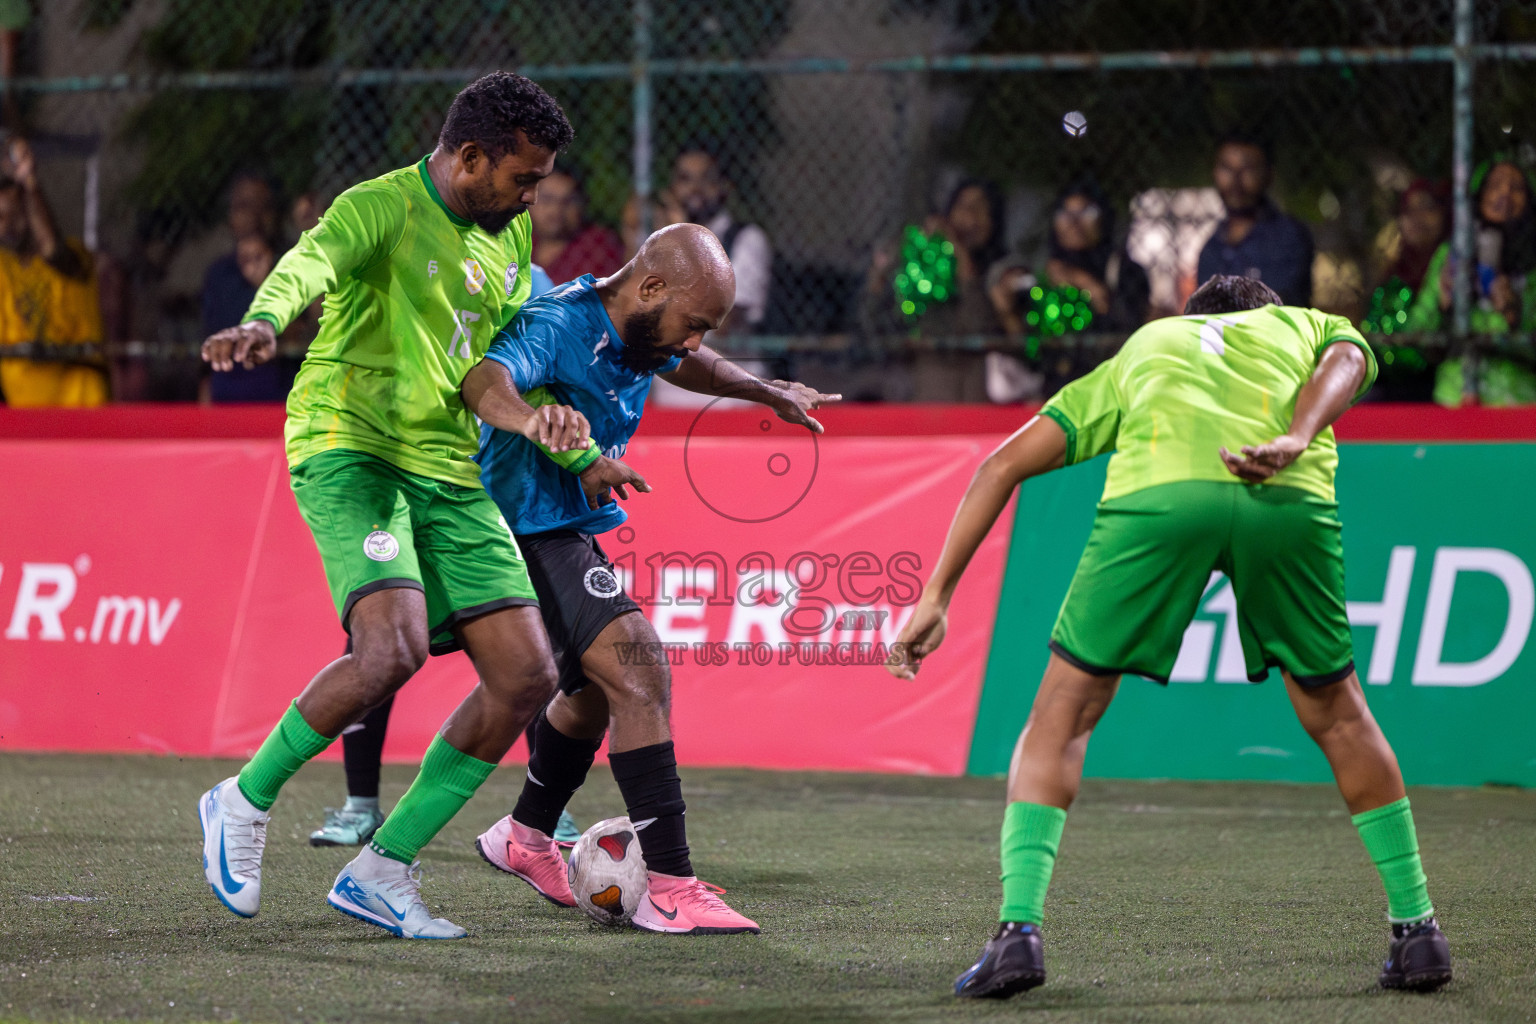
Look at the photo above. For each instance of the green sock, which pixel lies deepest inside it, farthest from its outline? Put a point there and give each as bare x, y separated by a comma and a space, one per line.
1031, 836
448, 778
286, 749
1394, 848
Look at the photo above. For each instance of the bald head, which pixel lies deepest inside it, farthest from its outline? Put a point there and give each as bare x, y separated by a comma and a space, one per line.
679, 286
688, 256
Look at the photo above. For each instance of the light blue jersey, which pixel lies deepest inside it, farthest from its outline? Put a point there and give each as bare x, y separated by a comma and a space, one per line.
540, 281
562, 341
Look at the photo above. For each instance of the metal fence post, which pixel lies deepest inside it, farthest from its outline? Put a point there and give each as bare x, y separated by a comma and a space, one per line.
643, 102
1461, 171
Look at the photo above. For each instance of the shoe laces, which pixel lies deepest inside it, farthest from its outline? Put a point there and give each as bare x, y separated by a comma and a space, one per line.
244, 839
407, 884
702, 895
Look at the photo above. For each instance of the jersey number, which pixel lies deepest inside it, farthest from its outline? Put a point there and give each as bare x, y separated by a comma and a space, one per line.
459, 345
1213, 335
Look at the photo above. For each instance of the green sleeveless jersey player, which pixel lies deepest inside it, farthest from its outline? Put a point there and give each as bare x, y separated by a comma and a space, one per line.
1180, 390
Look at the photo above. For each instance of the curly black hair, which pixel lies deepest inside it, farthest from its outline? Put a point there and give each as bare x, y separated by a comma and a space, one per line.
491, 111
1228, 293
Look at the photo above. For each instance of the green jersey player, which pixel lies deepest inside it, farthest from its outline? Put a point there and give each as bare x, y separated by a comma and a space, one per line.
420, 268
1239, 372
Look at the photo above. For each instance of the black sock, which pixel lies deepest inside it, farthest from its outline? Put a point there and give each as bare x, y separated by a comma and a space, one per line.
557, 766
362, 751
533, 727
653, 794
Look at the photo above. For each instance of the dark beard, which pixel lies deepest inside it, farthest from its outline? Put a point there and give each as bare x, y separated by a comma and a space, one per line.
642, 334
706, 212
1249, 212
487, 217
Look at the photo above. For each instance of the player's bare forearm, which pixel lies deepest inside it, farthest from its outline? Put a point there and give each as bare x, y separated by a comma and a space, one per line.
1323, 399
1035, 448
1330, 392
488, 392
709, 373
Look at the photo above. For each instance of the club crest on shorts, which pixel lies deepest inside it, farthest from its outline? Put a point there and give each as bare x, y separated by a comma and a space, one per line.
381, 546
510, 280
474, 277
600, 582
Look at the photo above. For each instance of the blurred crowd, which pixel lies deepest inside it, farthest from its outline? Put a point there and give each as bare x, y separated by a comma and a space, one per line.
948, 310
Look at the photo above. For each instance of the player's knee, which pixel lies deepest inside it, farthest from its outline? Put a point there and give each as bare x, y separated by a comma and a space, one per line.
647, 692
543, 679
1339, 727
529, 680
386, 663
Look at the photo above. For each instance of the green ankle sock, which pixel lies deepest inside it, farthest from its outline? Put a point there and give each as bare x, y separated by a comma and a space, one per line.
448, 778
1031, 836
286, 749
1390, 839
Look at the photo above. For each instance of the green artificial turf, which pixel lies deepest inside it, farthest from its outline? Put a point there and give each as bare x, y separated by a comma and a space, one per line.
1171, 902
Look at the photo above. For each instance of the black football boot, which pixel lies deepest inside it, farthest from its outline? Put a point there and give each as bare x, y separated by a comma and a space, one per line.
1013, 961
1419, 958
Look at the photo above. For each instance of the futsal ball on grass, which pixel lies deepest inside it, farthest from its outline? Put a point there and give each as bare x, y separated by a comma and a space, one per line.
607, 872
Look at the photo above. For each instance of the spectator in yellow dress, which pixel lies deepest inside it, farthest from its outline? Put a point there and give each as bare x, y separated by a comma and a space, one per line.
50, 313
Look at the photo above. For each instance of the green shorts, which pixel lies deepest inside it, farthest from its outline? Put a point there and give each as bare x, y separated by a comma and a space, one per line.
1151, 554
378, 527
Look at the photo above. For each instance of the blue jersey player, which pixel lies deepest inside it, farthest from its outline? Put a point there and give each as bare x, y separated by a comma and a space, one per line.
595, 345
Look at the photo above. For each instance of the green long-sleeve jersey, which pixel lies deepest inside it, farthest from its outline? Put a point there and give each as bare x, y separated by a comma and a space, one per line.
413, 296
1184, 386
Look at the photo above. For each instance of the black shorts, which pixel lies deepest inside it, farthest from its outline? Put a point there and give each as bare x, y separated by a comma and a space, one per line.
579, 594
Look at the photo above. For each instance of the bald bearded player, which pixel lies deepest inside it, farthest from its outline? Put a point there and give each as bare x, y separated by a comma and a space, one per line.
595, 345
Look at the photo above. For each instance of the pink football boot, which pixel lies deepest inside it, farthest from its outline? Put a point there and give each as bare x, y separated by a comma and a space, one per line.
529, 854
687, 906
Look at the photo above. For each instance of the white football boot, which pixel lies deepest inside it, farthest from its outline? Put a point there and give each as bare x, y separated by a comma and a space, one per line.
234, 835
384, 892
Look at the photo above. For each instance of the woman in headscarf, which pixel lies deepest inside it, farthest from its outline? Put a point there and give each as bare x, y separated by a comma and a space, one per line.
1422, 223
938, 288
1089, 283
1083, 254
1503, 282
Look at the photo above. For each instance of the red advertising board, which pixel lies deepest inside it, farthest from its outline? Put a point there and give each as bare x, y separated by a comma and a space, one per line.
163, 595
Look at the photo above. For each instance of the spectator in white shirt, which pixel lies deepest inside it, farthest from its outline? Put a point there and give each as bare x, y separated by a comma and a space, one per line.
701, 188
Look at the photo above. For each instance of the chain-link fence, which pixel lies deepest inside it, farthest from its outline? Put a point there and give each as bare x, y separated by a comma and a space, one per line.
843, 130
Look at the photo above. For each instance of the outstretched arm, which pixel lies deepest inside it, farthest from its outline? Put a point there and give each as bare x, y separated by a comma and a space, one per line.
1332, 389
707, 372
1035, 448
45, 231
360, 228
